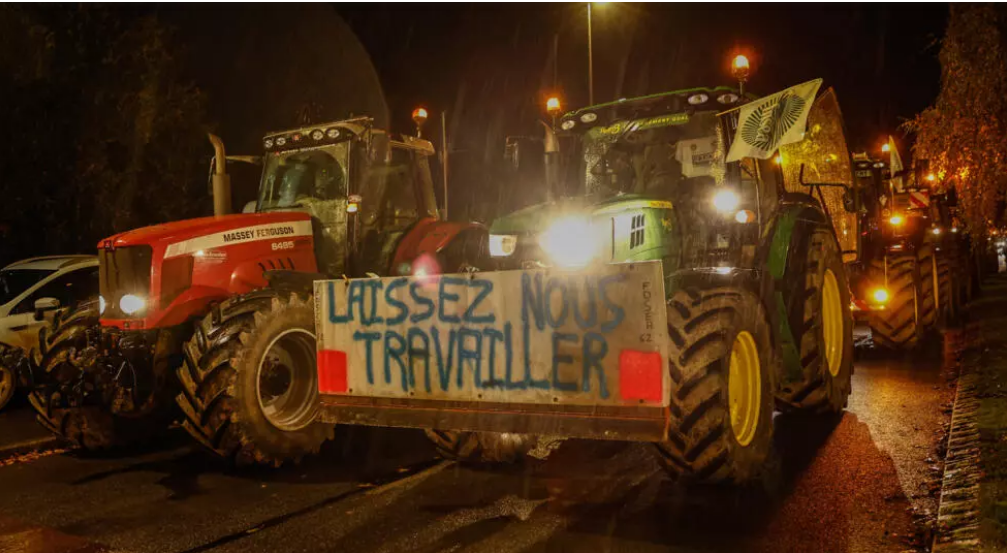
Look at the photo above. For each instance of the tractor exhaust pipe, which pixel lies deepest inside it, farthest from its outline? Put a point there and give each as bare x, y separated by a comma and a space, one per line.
551, 144
221, 186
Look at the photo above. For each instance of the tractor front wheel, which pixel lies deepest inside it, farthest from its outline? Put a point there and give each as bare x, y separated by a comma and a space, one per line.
826, 334
722, 367
78, 398
896, 326
250, 386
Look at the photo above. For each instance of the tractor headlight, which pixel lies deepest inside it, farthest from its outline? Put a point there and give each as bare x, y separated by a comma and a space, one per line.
131, 304
726, 201
570, 242
101, 305
502, 245
880, 295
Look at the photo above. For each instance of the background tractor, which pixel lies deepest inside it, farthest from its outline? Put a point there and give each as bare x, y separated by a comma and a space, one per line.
915, 272
178, 300
750, 259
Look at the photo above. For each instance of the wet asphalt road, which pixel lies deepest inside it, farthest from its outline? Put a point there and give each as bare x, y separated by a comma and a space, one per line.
851, 483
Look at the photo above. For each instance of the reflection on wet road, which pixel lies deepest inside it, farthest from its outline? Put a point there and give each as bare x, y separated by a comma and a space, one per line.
850, 483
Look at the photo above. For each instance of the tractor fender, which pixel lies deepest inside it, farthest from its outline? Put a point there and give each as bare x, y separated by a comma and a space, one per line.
435, 240
782, 253
294, 281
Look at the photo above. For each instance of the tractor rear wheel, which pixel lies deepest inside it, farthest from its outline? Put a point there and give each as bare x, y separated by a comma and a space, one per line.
895, 327
249, 382
722, 366
484, 447
826, 335
75, 399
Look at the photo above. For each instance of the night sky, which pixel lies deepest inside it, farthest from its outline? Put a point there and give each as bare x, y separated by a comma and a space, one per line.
881, 59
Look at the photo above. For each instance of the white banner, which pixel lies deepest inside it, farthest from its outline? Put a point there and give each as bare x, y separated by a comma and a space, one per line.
596, 337
768, 123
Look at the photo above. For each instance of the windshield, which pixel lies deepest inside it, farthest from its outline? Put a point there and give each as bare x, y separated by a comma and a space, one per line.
664, 156
294, 179
14, 282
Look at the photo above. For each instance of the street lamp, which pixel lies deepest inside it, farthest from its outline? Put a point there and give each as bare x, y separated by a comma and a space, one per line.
886, 147
740, 69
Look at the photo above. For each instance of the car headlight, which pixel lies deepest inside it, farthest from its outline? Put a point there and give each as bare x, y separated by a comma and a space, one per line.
131, 304
502, 245
570, 242
726, 201
101, 305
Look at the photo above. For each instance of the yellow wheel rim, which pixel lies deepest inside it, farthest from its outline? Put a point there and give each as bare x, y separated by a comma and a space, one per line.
832, 323
744, 388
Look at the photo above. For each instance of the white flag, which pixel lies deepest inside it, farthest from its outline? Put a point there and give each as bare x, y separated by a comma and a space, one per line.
895, 163
768, 123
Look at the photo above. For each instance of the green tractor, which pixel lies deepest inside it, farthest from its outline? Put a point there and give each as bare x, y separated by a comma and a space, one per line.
665, 295
915, 270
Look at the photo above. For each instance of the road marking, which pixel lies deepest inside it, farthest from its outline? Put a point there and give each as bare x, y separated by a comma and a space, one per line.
17, 536
29, 450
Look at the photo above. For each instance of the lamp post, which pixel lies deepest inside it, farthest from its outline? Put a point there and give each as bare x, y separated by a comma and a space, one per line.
590, 59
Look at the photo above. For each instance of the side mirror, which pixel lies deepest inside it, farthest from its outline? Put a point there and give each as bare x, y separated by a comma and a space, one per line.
249, 207
44, 305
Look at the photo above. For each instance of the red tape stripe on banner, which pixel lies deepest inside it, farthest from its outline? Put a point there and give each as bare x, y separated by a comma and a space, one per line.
332, 372
640, 375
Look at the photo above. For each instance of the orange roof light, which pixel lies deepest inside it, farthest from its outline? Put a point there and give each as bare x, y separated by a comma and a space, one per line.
931, 177
896, 220
419, 115
740, 62
552, 105
886, 147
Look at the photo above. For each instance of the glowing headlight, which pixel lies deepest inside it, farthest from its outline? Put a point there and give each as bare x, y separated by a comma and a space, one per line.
101, 305
502, 245
131, 304
570, 242
880, 295
726, 201
936, 230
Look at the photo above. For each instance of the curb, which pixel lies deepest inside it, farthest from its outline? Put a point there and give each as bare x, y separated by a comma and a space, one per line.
8, 452
958, 514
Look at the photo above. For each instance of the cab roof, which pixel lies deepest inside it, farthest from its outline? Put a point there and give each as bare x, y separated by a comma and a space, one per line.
52, 262
720, 98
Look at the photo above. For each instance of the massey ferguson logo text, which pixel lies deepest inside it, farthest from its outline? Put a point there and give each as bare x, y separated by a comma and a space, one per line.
252, 233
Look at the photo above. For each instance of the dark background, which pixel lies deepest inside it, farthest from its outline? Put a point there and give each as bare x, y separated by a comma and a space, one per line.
107, 106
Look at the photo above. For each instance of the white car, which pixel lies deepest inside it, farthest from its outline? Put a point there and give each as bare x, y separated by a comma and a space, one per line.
31, 291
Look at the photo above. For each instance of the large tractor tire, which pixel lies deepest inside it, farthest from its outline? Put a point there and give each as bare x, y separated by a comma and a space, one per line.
896, 326
928, 308
722, 366
250, 383
826, 333
481, 447
80, 401
9, 359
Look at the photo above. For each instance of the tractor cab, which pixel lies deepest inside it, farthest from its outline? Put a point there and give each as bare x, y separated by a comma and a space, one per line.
362, 189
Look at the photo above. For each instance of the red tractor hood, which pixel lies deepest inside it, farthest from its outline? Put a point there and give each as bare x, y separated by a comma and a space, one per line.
191, 228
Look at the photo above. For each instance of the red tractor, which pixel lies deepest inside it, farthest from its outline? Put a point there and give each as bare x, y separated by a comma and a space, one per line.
337, 199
